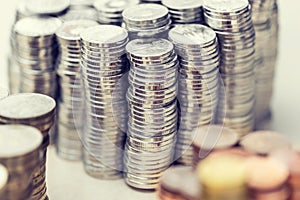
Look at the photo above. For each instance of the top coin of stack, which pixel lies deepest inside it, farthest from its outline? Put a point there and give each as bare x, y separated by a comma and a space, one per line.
104, 66
185, 12
110, 11
20, 154
71, 102
35, 48
147, 21
232, 22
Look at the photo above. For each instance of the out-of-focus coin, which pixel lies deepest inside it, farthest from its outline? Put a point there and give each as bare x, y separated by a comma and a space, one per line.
47, 6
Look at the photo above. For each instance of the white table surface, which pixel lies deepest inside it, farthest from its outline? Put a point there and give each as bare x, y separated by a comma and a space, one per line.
67, 180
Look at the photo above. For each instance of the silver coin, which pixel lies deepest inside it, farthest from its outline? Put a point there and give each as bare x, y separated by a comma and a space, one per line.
47, 6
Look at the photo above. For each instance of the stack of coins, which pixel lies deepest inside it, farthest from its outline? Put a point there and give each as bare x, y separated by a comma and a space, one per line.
20, 154
104, 66
185, 12
267, 179
47, 7
3, 93
264, 142
36, 110
232, 22
35, 49
197, 48
223, 177
147, 21
110, 11
266, 25
71, 101
152, 101
3, 178
179, 183
151, 1
212, 138
77, 12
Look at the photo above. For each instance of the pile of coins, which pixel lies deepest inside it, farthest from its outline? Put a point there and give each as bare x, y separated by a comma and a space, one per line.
110, 11
35, 50
232, 22
197, 48
185, 12
147, 21
104, 65
20, 154
264, 16
71, 98
212, 138
35, 110
152, 101
179, 182
3, 93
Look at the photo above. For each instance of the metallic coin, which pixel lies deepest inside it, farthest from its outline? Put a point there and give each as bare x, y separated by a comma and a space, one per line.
47, 6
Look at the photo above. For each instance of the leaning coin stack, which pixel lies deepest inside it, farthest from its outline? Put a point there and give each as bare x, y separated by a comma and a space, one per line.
104, 66
110, 11
71, 98
180, 183
185, 12
3, 93
35, 49
20, 154
147, 21
265, 54
197, 48
212, 138
152, 123
232, 22
36, 110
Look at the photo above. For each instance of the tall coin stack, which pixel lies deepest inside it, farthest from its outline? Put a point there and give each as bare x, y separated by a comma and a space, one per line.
152, 101
20, 154
35, 49
265, 25
104, 66
110, 11
197, 48
71, 101
35, 110
185, 12
232, 22
147, 21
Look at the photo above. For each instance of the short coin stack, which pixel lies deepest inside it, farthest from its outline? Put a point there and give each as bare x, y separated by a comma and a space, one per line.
36, 110
232, 22
71, 101
20, 154
3, 93
147, 21
152, 123
104, 64
185, 12
110, 11
197, 48
35, 49
265, 25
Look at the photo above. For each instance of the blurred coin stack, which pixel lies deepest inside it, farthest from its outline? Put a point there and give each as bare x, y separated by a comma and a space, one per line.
152, 123
47, 7
197, 48
20, 154
71, 98
35, 110
266, 30
185, 12
232, 22
76, 12
3, 93
180, 183
104, 64
35, 50
147, 21
212, 138
110, 11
